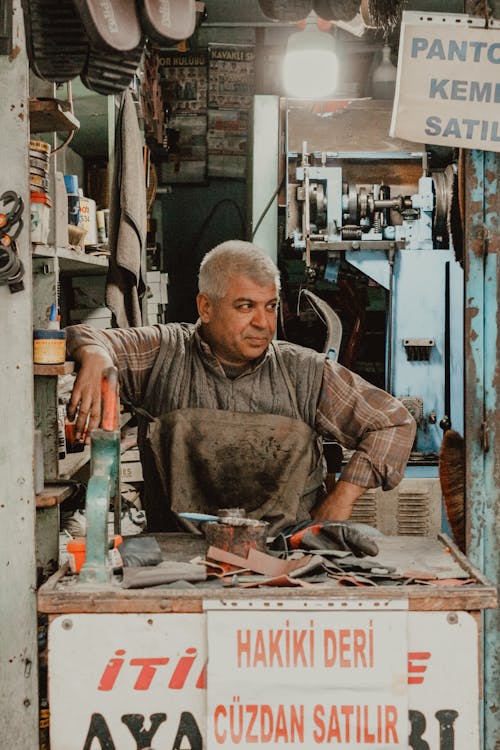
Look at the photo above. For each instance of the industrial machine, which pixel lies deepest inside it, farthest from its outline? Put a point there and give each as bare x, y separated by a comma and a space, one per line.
372, 233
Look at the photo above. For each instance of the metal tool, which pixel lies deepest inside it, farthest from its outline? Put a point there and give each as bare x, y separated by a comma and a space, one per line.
103, 486
11, 224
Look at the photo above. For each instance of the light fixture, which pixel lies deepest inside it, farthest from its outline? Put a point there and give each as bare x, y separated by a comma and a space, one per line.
310, 65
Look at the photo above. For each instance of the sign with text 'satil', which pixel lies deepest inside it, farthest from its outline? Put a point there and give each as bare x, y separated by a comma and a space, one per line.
305, 679
137, 681
448, 81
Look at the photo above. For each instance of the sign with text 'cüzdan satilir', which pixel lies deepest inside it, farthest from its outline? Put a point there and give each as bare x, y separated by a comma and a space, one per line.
448, 82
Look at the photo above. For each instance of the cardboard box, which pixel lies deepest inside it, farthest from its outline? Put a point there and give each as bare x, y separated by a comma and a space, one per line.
131, 471
100, 317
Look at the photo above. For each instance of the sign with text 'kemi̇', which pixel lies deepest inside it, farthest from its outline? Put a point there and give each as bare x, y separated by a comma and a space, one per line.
448, 83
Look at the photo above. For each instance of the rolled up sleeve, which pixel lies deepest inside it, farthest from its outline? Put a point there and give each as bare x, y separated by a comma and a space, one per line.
133, 351
369, 421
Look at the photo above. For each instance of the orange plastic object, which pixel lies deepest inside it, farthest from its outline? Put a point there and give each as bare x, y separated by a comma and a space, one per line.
76, 550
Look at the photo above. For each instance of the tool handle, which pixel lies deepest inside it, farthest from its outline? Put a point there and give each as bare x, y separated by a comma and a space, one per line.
296, 540
109, 395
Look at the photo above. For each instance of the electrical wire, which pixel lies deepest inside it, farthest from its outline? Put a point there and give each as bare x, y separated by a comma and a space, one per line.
210, 216
267, 207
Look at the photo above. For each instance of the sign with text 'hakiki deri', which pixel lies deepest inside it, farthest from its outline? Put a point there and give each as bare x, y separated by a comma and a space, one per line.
307, 679
448, 82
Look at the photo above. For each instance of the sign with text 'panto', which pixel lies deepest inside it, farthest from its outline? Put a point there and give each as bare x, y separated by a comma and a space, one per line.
448, 81
302, 679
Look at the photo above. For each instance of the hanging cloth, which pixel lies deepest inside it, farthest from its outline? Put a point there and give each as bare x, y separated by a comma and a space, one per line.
128, 221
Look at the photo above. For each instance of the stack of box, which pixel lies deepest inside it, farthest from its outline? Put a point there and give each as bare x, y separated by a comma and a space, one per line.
157, 296
130, 466
88, 302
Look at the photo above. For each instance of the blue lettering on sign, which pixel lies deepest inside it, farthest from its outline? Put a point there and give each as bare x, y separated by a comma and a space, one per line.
452, 50
465, 128
464, 91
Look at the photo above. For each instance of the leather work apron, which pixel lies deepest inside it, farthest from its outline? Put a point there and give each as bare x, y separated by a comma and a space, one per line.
207, 459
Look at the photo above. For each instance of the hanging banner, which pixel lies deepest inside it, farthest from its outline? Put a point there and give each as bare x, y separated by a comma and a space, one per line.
448, 82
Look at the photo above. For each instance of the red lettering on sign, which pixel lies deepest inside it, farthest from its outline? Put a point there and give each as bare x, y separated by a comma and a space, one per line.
182, 669
147, 672
110, 674
258, 724
416, 669
342, 724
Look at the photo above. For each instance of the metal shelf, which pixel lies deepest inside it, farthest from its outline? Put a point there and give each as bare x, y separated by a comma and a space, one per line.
72, 261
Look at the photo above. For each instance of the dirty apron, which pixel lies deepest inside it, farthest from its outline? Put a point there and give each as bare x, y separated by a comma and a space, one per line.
206, 459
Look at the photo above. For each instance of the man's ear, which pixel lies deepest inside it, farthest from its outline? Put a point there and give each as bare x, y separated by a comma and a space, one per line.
204, 307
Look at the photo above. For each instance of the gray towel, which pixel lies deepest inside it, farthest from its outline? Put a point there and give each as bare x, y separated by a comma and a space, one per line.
128, 221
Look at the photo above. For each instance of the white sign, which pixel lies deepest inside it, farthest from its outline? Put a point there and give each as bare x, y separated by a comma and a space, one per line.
303, 679
123, 682
448, 81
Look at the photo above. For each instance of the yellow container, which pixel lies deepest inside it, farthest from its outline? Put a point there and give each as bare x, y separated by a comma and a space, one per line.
49, 347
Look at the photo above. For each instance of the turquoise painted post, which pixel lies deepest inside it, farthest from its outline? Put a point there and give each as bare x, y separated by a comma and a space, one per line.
482, 392
491, 547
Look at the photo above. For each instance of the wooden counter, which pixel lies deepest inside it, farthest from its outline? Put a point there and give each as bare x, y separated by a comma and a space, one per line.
422, 555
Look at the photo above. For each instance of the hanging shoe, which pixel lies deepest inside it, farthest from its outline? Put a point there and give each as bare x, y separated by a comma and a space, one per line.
111, 72
337, 10
168, 21
286, 10
112, 25
55, 38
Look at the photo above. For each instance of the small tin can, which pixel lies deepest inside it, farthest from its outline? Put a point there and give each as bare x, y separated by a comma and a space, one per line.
49, 347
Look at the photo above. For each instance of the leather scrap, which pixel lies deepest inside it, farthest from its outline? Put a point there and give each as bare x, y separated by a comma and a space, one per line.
165, 572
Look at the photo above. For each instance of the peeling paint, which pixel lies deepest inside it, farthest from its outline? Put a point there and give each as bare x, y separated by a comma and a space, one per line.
15, 51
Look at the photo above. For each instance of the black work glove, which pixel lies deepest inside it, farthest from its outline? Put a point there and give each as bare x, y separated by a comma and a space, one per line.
137, 551
335, 535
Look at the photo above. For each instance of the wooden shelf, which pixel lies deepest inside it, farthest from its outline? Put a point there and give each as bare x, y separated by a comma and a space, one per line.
53, 494
73, 462
71, 260
64, 369
50, 116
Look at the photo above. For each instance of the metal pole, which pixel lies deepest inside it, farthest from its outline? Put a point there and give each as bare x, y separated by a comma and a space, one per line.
482, 392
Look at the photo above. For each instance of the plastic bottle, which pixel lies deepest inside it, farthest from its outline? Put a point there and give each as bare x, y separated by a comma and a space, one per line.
384, 76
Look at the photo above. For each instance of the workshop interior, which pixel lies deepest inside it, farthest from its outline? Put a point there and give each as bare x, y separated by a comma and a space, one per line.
180, 123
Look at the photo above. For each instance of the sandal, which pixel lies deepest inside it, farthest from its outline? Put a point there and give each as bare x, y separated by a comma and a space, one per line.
168, 22
111, 25
110, 73
55, 38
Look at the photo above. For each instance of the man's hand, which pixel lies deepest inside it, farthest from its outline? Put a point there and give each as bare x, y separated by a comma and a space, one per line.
334, 535
338, 504
85, 401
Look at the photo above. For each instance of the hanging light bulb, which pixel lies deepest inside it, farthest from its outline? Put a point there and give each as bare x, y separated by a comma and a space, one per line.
310, 65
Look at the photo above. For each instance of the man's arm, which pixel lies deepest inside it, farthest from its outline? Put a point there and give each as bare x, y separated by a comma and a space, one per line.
132, 350
369, 421
338, 504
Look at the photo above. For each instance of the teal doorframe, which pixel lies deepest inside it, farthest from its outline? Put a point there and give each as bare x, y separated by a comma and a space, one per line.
482, 391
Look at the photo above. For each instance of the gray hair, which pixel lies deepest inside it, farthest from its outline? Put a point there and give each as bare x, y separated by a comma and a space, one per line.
235, 258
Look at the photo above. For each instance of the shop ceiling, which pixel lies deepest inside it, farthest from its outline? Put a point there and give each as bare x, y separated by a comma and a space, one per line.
227, 21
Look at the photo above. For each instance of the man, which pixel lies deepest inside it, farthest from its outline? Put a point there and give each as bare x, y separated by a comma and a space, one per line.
228, 417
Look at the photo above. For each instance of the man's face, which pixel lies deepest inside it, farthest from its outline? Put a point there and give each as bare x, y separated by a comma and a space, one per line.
240, 326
